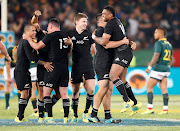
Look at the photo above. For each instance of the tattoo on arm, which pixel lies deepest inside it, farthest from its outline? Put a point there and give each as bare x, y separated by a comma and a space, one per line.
40, 62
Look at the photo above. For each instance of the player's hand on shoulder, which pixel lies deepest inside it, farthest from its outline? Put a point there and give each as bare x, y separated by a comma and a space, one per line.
48, 66
133, 45
37, 13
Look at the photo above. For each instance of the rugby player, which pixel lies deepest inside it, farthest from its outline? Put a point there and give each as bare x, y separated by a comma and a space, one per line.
9, 74
59, 76
103, 61
114, 31
43, 54
82, 65
21, 72
160, 62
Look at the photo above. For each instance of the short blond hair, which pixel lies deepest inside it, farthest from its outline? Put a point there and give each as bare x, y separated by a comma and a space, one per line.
79, 16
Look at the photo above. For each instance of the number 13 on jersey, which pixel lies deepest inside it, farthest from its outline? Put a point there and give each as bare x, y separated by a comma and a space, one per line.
61, 43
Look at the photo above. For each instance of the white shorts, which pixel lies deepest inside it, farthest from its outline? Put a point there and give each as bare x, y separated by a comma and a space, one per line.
158, 75
33, 72
11, 73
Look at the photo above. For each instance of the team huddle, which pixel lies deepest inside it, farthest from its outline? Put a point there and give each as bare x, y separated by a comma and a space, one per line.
113, 56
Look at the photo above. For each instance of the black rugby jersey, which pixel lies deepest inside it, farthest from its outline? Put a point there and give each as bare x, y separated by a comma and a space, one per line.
58, 51
43, 53
81, 54
116, 29
24, 56
104, 57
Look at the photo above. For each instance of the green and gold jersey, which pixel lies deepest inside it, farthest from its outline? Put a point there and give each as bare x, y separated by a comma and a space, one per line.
33, 64
10, 51
165, 49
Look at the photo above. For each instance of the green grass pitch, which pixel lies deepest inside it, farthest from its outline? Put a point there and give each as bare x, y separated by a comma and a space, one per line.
171, 121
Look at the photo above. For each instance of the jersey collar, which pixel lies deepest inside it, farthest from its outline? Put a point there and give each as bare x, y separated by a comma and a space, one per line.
162, 39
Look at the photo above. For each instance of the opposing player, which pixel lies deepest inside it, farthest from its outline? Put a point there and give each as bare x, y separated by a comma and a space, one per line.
82, 64
9, 73
21, 72
35, 85
58, 55
114, 31
161, 69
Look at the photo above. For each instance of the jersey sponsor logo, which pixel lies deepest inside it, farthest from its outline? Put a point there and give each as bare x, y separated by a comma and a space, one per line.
124, 61
41, 83
117, 59
27, 86
80, 42
73, 38
85, 38
106, 76
49, 85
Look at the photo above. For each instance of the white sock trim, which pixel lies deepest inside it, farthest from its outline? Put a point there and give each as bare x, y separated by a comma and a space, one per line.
150, 106
165, 107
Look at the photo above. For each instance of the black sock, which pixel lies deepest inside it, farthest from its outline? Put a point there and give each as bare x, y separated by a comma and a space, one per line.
121, 88
41, 108
130, 93
107, 114
22, 107
34, 103
165, 99
54, 100
66, 105
89, 100
7, 95
75, 103
94, 112
150, 97
48, 105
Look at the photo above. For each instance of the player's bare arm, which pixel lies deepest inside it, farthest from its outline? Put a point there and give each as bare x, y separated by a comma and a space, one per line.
34, 20
104, 40
33, 44
4, 51
153, 61
115, 44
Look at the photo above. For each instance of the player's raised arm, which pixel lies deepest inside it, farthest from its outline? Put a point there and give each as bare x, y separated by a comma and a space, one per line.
34, 20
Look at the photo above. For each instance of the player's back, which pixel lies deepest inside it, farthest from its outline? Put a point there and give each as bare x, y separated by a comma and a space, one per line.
165, 49
58, 51
104, 57
116, 29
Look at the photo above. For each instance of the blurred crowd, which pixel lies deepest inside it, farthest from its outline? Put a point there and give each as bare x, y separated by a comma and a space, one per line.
140, 17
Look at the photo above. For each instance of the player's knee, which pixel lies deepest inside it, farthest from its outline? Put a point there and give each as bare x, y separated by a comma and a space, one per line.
113, 77
91, 92
64, 95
